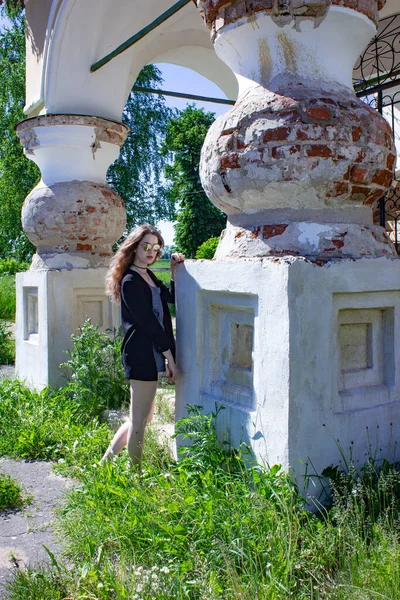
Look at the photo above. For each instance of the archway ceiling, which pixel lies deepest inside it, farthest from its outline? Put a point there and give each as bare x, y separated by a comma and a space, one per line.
80, 33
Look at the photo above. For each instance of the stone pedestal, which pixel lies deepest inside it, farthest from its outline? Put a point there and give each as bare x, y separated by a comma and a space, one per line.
73, 218
51, 305
292, 327
298, 354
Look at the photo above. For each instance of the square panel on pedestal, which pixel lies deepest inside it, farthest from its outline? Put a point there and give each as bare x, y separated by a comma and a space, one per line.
366, 352
93, 304
30, 314
227, 341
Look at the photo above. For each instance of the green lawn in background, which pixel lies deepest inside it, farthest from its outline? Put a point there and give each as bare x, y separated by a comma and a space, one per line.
163, 263
7, 297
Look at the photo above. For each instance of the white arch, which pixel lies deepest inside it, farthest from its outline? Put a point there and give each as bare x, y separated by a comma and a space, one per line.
80, 33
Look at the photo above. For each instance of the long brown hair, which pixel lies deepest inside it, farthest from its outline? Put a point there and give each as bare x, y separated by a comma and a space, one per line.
124, 257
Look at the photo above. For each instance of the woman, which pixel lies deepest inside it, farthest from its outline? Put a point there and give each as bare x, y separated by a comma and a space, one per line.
147, 327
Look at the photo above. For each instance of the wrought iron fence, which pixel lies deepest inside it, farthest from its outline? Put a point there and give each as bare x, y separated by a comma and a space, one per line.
377, 82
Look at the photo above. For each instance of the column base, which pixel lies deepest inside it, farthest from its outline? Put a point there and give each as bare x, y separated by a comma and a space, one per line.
298, 354
317, 241
51, 305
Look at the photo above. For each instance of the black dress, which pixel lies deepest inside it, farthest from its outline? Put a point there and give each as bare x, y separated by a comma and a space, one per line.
141, 328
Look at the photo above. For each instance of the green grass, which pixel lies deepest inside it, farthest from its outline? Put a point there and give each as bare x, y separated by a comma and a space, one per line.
206, 527
11, 495
162, 263
7, 297
213, 526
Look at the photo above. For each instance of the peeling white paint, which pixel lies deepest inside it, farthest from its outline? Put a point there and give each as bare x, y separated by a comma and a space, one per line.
310, 233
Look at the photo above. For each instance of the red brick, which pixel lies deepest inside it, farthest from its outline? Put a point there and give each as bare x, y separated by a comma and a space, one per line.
391, 160
258, 5
83, 247
388, 140
360, 156
278, 134
383, 178
367, 7
284, 151
357, 190
319, 113
69, 220
340, 188
91, 209
374, 196
338, 243
240, 145
360, 175
319, 150
270, 231
356, 134
301, 134
325, 101
347, 3
231, 161
378, 138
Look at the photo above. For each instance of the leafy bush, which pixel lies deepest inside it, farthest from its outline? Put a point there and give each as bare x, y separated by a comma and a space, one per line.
94, 369
11, 266
7, 345
7, 297
207, 249
10, 492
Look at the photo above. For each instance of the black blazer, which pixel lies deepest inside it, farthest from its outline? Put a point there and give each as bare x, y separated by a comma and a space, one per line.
141, 328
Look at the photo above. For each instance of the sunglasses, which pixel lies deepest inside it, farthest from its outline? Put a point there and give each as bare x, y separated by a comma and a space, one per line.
146, 247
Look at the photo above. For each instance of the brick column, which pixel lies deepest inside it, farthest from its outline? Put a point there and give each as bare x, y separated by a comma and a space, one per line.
299, 160
294, 325
73, 218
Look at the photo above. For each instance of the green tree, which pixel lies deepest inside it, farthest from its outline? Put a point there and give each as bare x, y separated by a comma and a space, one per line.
137, 172
18, 175
197, 219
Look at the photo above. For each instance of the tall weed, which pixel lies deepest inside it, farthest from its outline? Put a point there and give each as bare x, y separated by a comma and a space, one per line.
222, 530
10, 492
94, 369
7, 345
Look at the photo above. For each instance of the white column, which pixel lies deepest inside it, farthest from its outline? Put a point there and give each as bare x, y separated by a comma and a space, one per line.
291, 328
73, 218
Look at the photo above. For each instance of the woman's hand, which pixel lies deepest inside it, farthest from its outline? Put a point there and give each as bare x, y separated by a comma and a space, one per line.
172, 371
171, 366
176, 258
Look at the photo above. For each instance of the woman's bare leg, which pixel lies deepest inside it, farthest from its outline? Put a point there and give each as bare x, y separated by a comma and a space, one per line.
118, 442
143, 395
